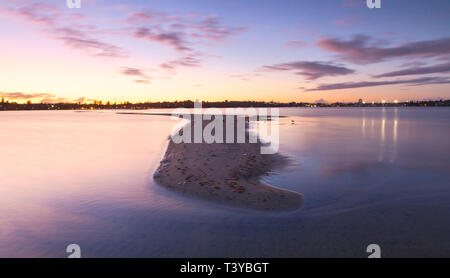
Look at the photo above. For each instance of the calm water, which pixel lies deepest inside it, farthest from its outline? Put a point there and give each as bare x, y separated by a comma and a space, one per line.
368, 176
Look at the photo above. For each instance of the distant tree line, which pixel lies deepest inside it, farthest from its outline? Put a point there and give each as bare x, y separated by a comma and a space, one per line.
6, 105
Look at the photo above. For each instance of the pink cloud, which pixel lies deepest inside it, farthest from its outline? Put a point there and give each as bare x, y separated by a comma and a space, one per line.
172, 39
440, 68
363, 84
64, 27
363, 50
352, 20
182, 33
311, 70
143, 77
186, 61
295, 44
38, 97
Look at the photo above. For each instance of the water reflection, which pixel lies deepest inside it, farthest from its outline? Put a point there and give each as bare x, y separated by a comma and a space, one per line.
368, 175
388, 140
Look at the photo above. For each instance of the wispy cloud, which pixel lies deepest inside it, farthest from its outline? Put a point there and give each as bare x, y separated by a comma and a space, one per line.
173, 39
212, 29
181, 32
245, 76
311, 70
184, 33
142, 81
38, 97
440, 68
364, 50
135, 72
24, 96
93, 46
351, 20
63, 27
295, 44
352, 85
185, 61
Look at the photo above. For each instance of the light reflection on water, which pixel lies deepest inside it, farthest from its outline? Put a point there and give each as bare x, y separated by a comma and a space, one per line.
368, 176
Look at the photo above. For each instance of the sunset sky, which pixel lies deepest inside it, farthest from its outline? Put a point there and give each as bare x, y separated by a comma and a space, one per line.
281, 50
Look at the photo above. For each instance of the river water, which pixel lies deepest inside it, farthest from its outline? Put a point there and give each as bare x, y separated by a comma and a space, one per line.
368, 175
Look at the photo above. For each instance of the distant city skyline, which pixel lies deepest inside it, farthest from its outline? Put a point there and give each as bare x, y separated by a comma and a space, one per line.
212, 50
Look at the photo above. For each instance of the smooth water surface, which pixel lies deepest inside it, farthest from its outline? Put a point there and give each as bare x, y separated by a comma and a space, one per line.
368, 175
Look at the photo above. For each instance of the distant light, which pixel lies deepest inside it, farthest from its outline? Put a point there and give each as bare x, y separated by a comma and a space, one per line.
383, 101
395, 101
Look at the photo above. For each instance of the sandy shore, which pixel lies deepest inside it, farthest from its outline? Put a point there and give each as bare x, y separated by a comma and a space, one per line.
226, 173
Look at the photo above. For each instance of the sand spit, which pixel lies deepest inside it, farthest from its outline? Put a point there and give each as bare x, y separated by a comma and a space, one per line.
226, 173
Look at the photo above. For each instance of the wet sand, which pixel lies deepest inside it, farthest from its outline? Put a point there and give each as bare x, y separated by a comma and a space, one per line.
225, 173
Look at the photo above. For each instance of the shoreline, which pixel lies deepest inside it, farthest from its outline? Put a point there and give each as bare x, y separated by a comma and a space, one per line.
228, 173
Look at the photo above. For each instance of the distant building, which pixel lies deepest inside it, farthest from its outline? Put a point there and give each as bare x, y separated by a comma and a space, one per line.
360, 101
